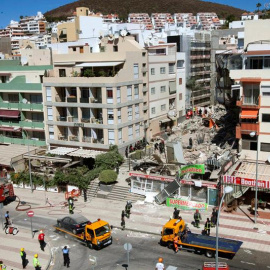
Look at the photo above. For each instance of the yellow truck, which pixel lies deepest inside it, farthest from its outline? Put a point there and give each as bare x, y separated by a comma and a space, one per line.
172, 227
95, 234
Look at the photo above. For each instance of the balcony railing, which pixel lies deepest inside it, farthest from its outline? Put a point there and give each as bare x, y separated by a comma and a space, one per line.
22, 106
249, 127
253, 102
87, 139
72, 119
72, 99
31, 124
61, 118
73, 138
5, 139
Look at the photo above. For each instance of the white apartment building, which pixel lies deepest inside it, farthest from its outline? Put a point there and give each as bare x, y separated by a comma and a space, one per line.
253, 82
93, 100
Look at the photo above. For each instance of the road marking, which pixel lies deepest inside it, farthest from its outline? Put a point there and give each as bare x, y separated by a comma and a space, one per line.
55, 239
52, 235
268, 266
248, 263
247, 251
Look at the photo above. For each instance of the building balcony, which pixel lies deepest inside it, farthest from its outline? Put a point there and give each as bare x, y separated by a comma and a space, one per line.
61, 118
9, 123
72, 119
21, 106
246, 128
144, 89
31, 124
249, 102
88, 139
72, 99
38, 143
73, 138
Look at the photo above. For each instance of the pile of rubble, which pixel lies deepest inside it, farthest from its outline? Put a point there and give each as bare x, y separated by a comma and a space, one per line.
201, 142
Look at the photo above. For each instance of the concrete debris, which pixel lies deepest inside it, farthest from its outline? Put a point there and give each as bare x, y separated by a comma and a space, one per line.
208, 139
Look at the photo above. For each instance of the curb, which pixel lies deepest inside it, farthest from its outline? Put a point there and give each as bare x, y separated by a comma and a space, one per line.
51, 256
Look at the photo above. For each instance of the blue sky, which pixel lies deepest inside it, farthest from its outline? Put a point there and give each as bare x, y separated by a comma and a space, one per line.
12, 9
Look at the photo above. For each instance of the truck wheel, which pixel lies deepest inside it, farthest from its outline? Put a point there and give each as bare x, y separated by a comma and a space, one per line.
90, 245
74, 231
162, 243
209, 253
59, 224
170, 245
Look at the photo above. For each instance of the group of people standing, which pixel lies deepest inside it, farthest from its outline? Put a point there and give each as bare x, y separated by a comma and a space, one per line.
160, 146
139, 145
209, 222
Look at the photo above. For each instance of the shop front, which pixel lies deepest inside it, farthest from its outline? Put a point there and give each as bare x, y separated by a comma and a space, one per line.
190, 189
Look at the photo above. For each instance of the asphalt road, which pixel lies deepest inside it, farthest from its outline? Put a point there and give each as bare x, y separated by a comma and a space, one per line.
143, 256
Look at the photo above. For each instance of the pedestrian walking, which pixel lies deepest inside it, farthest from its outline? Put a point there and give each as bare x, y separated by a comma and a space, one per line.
214, 217
197, 218
207, 226
36, 262
176, 213
175, 242
66, 256
128, 208
41, 239
23, 257
2, 266
7, 219
123, 223
160, 265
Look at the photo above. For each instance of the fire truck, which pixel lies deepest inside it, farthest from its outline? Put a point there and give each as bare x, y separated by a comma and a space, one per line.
6, 192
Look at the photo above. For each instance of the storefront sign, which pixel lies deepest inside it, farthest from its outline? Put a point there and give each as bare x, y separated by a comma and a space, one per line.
185, 204
234, 180
194, 168
152, 177
186, 182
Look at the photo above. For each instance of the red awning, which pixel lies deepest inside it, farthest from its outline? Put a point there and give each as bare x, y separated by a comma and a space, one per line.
9, 113
33, 129
250, 80
10, 129
249, 114
5, 74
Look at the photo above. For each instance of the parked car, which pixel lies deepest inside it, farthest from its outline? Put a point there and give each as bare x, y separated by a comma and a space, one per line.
74, 223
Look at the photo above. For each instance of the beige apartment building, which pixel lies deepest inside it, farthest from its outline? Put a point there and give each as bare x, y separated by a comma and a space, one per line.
162, 87
94, 100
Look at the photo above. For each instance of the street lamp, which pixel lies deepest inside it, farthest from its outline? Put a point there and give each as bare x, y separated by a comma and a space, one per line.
227, 190
253, 134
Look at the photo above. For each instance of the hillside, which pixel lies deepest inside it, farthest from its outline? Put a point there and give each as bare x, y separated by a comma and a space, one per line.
123, 8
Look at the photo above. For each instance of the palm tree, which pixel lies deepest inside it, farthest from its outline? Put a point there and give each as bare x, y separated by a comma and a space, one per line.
258, 5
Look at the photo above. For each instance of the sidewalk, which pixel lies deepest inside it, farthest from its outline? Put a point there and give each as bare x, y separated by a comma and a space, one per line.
149, 218
11, 245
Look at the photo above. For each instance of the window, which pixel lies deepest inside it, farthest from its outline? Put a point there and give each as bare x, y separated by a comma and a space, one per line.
109, 95
171, 68
118, 94
120, 135
180, 81
37, 117
62, 72
130, 132
162, 89
129, 112
36, 99
161, 51
265, 147
251, 94
152, 71
111, 136
136, 71
51, 132
49, 93
115, 48
136, 91
153, 110
163, 107
137, 130
119, 115
50, 113
153, 90
129, 92
143, 54
110, 116
162, 70
180, 63
266, 62
180, 96
13, 98
265, 90
265, 117
137, 112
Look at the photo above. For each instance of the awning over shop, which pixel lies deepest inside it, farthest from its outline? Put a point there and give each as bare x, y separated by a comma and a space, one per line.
249, 114
100, 64
85, 153
10, 129
61, 151
9, 113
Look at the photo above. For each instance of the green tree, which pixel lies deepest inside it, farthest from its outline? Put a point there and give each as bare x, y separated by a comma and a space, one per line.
108, 176
258, 5
230, 18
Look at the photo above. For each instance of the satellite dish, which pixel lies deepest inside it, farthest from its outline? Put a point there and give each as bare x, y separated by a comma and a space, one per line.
123, 33
24, 101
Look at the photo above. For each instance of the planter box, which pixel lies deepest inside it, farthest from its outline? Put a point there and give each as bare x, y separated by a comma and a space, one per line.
106, 188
